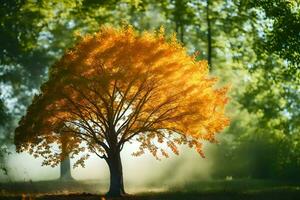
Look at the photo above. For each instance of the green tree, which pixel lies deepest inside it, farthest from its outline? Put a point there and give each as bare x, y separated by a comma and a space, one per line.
271, 94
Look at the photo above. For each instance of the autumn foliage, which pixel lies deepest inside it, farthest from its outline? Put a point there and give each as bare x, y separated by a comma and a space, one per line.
118, 86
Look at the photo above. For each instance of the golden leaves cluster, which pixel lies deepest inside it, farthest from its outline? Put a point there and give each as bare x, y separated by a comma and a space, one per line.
142, 86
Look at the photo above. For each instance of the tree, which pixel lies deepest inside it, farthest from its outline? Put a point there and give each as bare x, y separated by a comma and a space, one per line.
282, 36
115, 87
271, 94
277, 67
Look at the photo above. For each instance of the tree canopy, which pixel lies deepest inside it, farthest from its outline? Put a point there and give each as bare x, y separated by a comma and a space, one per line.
117, 85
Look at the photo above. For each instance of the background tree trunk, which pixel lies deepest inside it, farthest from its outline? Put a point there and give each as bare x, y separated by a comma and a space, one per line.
209, 36
179, 19
65, 169
65, 165
116, 188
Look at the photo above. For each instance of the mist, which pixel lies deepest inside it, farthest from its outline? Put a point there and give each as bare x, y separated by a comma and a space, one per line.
143, 173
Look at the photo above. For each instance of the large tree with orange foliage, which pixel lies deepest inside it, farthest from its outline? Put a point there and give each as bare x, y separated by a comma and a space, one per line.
118, 86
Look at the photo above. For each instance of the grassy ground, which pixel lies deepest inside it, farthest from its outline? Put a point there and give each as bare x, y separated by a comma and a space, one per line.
209, 190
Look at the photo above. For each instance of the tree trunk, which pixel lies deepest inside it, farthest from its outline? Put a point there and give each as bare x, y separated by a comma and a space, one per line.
65, 164
209, 36
116, 188
65, 169
178, 17
182, 33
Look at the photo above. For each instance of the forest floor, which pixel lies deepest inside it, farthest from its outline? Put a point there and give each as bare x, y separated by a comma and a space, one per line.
204, 190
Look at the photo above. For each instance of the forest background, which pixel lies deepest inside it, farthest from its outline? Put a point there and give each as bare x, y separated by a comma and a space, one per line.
253, 45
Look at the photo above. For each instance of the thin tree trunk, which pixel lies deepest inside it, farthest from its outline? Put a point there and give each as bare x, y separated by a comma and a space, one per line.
116, 188
182, 33
178, 18
179, 28
65, 169
65, 164
209, 36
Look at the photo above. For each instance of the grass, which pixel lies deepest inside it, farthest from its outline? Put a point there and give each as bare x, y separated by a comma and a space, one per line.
196, 190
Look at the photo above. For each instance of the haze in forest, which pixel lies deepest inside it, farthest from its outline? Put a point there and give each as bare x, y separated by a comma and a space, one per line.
140, 173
